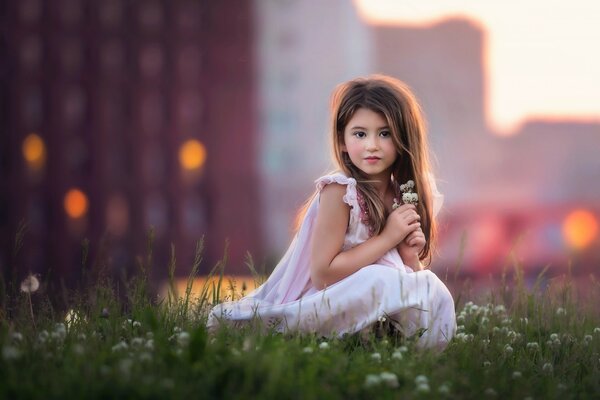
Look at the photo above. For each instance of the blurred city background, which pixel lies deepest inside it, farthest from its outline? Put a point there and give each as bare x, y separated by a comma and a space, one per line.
210, 118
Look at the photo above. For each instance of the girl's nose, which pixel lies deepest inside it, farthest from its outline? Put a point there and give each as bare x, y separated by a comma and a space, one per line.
372, 143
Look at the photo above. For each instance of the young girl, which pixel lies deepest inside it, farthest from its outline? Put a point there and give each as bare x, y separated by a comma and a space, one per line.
357, 256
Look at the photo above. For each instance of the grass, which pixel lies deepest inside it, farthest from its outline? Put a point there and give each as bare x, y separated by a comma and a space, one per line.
116, 340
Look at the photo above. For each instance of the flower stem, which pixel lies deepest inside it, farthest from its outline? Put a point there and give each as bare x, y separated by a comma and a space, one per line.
31, 311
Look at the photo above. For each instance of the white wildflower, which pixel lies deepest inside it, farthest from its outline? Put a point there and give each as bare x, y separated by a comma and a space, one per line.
376, 357
397, 355
176, 329
561, 311
420, 379
183, 338
390, 379
60, 330
495, 330
485, 342
547, 368
524, 321
460, 319
307, 349
423, 388
499, 309
508, 350
533, 346
484, 321
381, 319
149, 344
10, 352
491, 392
120, 346
587, 339
506, 321
402, 349
372, 380
486, 363
444, 389
78, 349
30, 284
17, 336
554, 337
384, 342
43, 336
136, 324
137, 342
410, 184
517, 375
324, 346
460, 328
597, 331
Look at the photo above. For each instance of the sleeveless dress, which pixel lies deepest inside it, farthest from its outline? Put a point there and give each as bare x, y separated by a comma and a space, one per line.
288, 302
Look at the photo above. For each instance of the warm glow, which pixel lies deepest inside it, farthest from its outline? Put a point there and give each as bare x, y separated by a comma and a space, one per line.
34, 150
539, 62
580, 229
117, 215
231, 286
192, 154
76, 203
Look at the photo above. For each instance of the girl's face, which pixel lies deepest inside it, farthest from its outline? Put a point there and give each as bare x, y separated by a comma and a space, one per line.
368, 142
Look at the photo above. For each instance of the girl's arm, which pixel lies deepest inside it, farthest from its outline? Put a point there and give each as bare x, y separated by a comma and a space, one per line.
328, 263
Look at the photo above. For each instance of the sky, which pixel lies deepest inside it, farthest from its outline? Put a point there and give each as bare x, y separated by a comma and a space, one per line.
542, 56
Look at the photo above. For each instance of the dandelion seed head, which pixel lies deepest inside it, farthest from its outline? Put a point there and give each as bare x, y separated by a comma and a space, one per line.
508, 350
533, 346
30, 284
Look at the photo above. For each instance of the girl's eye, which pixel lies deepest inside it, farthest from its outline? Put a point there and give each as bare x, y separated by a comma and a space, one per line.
385, 134
360, 134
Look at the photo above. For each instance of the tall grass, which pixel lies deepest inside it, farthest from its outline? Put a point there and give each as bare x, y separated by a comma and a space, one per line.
118, 340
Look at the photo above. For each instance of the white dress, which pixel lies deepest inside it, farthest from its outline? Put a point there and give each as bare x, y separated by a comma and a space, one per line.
289, 302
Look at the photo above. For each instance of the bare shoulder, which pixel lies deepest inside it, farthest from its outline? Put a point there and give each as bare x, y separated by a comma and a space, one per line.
332, 205
333, 193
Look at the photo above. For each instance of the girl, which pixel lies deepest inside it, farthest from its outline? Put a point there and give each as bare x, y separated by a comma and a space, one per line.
357, 256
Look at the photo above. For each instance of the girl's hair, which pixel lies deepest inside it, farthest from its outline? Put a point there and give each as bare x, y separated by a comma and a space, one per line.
395, 101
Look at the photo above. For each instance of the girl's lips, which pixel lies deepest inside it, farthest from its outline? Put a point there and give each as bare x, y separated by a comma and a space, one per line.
372, 160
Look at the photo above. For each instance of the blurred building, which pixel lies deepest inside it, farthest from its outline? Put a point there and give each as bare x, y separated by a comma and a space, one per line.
121, 115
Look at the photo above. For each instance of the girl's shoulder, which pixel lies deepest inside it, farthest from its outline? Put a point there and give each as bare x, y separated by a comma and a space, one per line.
335, 177
340, 178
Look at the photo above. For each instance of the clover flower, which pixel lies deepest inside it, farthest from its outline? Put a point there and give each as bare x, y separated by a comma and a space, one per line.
547, 368
408, 196
324, 346
307, 350
587, 339
17, 336
397, 355
508, 350
376, 357
534, 346
561, 311
486, 363
420, 379
423, 388
597, 330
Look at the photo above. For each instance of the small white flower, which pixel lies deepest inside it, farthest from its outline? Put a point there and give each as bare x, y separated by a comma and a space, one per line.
554, 337
495, 330
150, 344
183, 338
533, 346
547, 368
597, 330
444, 389
61, 330
324, 346
423, 388
30, 284
402, 349
389, 378
508, 350
460, 319
136, 324
176, 329
587, 339
406, 197
460, 328
491, 392
517, 375
372, 380
381, 319
17, 336
410, 184
524, 321
499, 309
506, 321
397, 355
120, 346
137, 342
43, 336
486, 363
561, 311
307, 349
376, 357
484, 321
420, 379
10, 353
485, 342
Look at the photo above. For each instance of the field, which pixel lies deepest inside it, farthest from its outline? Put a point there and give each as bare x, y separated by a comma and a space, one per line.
117, 340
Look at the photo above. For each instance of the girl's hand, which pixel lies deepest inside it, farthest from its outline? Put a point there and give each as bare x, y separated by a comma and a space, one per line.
410, 248
401, 222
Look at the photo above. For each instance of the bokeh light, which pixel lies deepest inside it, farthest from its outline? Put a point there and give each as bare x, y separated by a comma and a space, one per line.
192, 154
580, 229
34, 151
75, 203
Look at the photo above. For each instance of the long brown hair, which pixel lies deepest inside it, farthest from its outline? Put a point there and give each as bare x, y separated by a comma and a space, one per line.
394, 100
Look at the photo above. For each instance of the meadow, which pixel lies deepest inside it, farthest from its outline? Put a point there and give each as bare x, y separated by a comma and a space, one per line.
116, 339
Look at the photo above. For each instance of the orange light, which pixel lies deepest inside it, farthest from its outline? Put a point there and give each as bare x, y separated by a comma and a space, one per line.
76, 203
34, 150
580, 228
192, 154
